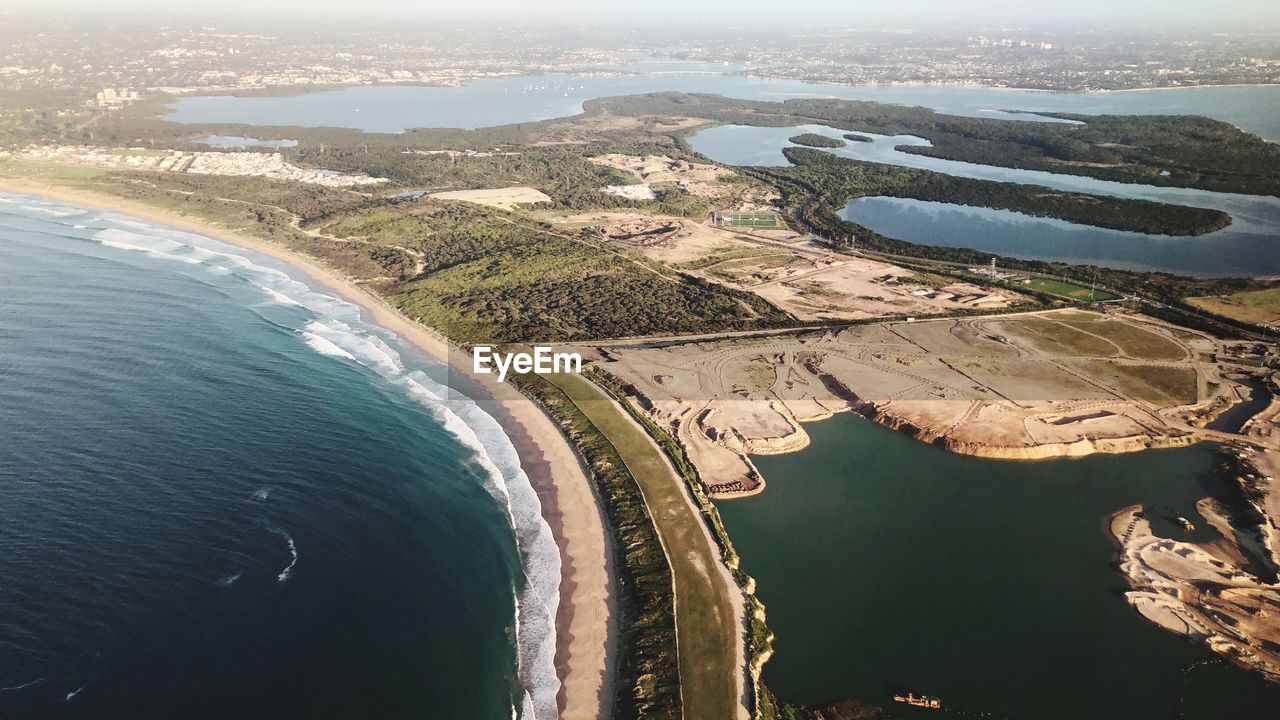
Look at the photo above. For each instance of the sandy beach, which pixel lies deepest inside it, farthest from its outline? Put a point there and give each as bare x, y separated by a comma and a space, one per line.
584, 627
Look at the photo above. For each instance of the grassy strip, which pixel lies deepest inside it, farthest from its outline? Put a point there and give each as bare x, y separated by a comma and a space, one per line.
706, 627
761, 646
1068, 290
648, 683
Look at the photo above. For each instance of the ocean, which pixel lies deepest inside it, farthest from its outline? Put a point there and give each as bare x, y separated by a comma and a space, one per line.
226, 495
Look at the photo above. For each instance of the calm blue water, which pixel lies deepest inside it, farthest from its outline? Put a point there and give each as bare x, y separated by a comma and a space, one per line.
225, 496
486, 103
1247, 247
1011, 233
237, 142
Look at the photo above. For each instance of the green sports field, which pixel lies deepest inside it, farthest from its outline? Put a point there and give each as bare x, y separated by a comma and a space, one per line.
760, 220
1068, 290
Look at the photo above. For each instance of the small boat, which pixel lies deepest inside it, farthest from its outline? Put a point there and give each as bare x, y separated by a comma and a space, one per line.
920, 701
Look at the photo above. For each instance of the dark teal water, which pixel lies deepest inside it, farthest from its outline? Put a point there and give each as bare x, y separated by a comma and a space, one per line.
887, 565
223, 496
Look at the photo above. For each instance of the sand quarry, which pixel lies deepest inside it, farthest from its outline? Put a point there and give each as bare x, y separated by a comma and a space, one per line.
502, 198
1211, 591
799, 276
1025, 386
700, 179
806, 279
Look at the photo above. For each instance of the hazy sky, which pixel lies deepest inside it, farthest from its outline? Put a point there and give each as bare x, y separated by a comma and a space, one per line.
973, 11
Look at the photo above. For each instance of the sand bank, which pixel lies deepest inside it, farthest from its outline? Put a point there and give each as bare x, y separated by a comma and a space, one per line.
583, 624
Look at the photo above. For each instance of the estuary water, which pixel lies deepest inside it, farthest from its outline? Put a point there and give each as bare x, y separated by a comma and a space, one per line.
889, 565
502, 101
227, 496
1249, 246
1019, 235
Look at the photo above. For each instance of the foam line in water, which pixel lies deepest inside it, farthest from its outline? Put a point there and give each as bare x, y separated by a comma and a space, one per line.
335, 328
325, 346
293, 552
24, 685
538, 601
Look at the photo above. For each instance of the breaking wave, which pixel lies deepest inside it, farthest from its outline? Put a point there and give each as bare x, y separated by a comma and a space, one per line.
293, 553
334, 327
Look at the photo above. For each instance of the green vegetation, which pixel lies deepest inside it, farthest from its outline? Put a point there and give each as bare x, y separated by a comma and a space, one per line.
471, 272
1134, 341
648, 681
761, 640
564, 174
1167, 150
1155, 384
856, 137
815, 210
1258, 307
836, 180
705, 623
815, 140
484, 275
1069, 290
1058, 338
751, 220
47, 172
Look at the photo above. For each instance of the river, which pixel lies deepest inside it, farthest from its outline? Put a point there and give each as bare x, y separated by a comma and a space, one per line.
502, 101
1246, 247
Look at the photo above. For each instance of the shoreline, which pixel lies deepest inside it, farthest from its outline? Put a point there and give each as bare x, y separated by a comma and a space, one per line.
760, 72
586, 614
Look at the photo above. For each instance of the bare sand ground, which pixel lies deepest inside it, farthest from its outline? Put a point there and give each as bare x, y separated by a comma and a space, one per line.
1208, 591
501, 198
810, 282
1018, 386
584, 626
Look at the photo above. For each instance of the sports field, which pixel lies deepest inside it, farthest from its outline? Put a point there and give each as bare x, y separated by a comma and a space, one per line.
758, 220
1068, 290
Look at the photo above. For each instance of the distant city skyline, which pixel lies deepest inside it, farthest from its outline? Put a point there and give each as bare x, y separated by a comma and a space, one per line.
971, 12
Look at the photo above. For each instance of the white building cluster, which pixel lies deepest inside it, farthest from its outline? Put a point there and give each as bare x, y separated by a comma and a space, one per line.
115, 97
240, 164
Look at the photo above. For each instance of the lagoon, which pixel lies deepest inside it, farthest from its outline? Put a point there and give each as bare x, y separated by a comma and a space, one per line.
502, 101
887, 564
236, 142
1249, 246
1009, 233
